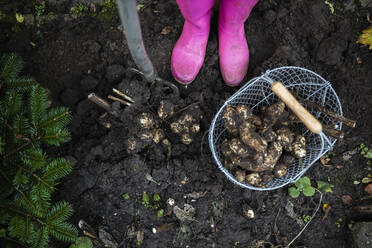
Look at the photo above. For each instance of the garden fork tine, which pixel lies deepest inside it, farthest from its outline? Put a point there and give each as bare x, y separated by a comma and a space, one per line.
132, 28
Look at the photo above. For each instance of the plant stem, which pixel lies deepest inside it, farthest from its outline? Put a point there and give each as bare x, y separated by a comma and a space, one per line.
316, 211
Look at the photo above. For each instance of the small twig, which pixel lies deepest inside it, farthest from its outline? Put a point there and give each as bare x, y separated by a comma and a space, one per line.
325, 110
334, 133
163, 227
119, 100
102, 103
312, 217
123, 95
183, 109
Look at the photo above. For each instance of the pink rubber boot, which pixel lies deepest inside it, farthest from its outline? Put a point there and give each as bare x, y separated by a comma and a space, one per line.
233, 47
189, 51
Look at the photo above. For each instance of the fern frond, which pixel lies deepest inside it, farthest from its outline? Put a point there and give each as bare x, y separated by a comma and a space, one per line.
11, 66
56, 169
59, 213
40, 238
20, 84
63, 231
38, 104
56, 118
56, 136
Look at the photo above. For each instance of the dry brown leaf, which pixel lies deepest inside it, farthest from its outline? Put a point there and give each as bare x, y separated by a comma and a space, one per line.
368, 189
166, 30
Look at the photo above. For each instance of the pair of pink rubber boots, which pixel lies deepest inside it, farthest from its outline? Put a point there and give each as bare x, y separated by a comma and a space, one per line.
189, 51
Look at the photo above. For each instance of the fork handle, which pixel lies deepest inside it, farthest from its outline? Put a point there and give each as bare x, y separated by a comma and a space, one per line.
305, 116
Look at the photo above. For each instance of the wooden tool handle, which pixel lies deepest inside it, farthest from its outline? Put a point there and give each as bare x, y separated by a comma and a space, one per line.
305, 116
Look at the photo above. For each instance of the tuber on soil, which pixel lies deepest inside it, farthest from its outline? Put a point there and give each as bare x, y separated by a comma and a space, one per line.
146, 120
166, 109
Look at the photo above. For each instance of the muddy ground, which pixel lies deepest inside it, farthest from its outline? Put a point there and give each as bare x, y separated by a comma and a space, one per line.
74, 57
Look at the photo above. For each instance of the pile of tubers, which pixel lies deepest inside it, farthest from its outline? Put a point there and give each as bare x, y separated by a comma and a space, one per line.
148, 133
188, 124
148, 129
260, 148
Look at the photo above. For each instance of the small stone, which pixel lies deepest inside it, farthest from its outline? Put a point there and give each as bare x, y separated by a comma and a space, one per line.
248, 211
88, 83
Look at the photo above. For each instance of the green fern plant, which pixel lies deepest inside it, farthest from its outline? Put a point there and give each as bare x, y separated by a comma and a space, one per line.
28, 177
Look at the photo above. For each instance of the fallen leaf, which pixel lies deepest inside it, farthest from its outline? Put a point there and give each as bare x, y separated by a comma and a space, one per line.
324, 160
107, 239
346, 200
166, 30
140, 237
368, 189
140, 6
196, 195
20, 18
326, 209
366, 37
187, 213
359, 60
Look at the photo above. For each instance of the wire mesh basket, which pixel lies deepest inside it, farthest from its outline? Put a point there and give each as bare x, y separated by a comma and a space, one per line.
257, 92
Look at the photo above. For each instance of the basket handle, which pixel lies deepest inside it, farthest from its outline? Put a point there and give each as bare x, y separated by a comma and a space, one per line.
305, 116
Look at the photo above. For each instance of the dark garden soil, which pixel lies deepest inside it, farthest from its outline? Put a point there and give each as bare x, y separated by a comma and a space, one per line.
74, 57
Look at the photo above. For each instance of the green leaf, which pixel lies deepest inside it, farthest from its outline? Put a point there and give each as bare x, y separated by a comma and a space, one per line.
126, 196
156, 197
82, 242
59, 213
323, 186
160, 213
19, 17
145, 200
38, 104
302, 183
293, 192
56, 118
308, 191
368, 154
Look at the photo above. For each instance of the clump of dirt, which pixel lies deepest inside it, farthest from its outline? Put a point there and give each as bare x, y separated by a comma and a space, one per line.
74, 57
